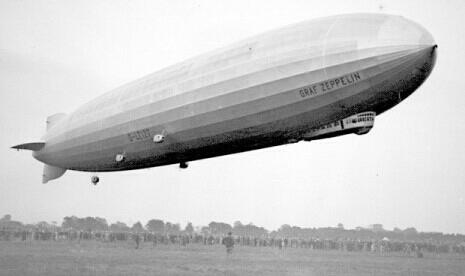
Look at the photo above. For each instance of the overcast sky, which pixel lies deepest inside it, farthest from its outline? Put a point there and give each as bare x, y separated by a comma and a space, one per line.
54, 56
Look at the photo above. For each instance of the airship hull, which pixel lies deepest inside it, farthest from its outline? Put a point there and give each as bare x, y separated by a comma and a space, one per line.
264, 91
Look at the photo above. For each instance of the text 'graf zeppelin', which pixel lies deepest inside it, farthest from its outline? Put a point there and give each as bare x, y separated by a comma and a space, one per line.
326, 86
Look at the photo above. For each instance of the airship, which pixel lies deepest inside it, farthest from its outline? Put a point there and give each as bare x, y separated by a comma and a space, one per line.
312, 80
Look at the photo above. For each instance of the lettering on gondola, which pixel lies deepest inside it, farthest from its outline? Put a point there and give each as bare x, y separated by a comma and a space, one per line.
139, 135
329, 85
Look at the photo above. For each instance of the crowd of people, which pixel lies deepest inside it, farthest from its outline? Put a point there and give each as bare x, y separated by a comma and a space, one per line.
382, 246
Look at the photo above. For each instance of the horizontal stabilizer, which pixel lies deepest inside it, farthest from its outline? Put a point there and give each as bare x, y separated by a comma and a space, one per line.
36, 146
51, 172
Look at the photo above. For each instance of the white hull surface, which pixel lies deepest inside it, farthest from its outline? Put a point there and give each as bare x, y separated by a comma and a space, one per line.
263, 91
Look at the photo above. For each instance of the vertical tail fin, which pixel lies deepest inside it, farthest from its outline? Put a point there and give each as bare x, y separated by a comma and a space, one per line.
51, 172
53, 119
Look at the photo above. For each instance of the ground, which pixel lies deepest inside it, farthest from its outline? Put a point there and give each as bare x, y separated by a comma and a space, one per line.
98, 258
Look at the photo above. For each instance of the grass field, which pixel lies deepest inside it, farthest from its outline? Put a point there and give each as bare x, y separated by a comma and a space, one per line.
96, 258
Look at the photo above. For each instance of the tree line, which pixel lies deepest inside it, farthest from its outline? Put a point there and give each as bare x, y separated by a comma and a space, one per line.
158, 226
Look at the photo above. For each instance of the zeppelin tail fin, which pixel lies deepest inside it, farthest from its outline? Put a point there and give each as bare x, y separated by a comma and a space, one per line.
51, 172
53, 119
35, 146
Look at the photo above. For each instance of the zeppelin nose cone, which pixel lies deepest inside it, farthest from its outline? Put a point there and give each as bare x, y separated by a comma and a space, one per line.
378, 30
397, 30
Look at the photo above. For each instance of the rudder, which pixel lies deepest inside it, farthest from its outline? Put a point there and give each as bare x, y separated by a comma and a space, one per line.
53, 119
51, 172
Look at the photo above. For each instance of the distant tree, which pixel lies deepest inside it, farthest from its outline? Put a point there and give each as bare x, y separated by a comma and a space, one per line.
85, 224
70, 223
119, 227
296, 231
410, 231
219, 228
168, 227
43, 225
239, 228
252, 230
6, 218
155, 225
137, 227
189, 228
285, 230
101, 224
94, 223
397, 230
30, 226
205, 230
237, 225
7, 223
171, 228
340, 226
88, 223
377, 227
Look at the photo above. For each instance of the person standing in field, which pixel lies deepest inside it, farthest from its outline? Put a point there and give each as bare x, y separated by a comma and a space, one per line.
137, 240
228, 242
